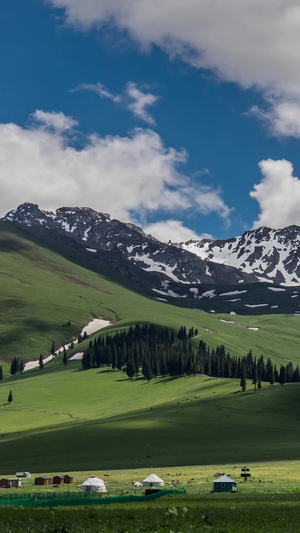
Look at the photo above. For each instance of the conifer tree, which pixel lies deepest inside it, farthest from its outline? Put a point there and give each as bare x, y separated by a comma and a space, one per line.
282, 375
53, 348
41, 362
10, 397
65, 357
147, 370
1, 373
254, 374
243, 378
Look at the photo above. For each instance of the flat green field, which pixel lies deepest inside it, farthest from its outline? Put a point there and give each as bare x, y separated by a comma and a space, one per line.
229, 513
269, 502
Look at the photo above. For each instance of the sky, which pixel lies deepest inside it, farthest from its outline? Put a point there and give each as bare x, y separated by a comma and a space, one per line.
180, 116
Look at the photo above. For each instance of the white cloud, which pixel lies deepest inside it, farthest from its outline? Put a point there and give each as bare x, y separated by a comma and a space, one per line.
278, 195
252, 43
134, 98
139, 102
120, 175
173, 230
209, 200
55, 121
99, 89
282, 118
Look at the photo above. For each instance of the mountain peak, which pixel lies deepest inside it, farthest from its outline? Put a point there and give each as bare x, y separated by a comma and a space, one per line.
97, 233
272, 255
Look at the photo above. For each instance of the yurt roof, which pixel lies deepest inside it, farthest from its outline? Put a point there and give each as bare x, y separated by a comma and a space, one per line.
153, 478
93, 481
224, 479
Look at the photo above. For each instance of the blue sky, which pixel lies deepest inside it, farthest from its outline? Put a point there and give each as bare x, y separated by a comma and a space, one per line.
167, 114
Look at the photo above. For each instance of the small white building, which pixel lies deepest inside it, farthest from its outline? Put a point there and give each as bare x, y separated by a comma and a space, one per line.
93, 484
153, 481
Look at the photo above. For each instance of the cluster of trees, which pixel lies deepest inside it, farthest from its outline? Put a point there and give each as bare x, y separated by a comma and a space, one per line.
218, 363
17, 366
154, 351
129, 348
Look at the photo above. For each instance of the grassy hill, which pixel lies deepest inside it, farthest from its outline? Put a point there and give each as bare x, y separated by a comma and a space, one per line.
41, 290
66, 418
97, 419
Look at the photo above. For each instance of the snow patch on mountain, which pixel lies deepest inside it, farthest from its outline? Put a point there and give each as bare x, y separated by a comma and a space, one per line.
256, 305
232, 293
272, 255
171, 293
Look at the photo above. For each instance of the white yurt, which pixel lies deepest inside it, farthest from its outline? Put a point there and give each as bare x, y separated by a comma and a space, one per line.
93, 483
153, 481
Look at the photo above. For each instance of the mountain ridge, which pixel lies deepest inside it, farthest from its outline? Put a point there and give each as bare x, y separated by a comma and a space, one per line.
272, 255
167, 265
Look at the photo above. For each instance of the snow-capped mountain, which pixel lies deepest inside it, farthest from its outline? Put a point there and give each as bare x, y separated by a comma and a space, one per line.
125, 246
216, 276
271, 255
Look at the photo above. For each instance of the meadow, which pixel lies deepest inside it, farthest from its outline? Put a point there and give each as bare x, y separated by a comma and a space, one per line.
269, 502
63, 419
72, 419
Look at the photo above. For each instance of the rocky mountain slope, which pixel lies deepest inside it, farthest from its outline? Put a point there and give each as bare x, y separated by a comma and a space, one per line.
128, 244
238, 276
271, 255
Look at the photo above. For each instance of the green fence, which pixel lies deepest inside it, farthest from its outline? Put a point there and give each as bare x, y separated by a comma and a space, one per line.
69, 499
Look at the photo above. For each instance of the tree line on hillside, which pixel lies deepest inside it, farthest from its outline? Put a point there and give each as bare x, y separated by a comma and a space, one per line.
154, 351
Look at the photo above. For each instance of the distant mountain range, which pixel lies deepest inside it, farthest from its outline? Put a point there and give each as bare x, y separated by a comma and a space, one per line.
194, 272
271, 255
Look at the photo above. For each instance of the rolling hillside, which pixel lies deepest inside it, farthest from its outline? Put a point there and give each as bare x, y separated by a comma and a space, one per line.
66, 418
98, 419
41, 290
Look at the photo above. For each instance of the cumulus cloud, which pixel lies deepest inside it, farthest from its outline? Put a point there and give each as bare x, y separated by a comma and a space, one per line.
57, 122
174, 231
99, 89
133, 98
281, 118
120, 175
278, 195
252, 43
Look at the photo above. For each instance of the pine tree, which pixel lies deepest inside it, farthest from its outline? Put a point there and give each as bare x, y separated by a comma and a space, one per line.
10, 397
146, 369
254, 374
53, 348
65, 358
41, 362
282, 375
243, 378
1, 373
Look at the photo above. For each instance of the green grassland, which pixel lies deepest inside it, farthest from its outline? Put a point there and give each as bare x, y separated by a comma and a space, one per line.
40, 291
63, 418
79, 420
269, 502
182, 514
